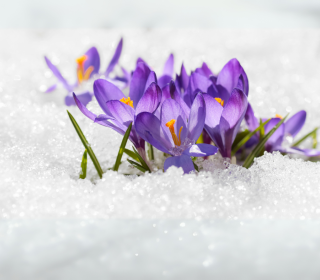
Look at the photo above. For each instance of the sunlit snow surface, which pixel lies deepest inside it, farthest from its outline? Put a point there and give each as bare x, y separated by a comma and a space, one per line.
261, 223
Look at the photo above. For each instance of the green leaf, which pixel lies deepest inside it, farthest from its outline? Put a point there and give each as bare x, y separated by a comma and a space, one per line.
136, 165
131, 154
256, 151
245, 139
83, 174
150, 152
314, 140
86, 145
310, 134
261, 129
196, 167
240, 135
145, 166
122, 147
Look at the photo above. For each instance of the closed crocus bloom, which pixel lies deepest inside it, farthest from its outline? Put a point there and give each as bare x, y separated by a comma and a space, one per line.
175, 133
223, 119
88, 65
119, 110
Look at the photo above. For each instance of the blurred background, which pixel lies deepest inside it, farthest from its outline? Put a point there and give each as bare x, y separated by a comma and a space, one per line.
160, 14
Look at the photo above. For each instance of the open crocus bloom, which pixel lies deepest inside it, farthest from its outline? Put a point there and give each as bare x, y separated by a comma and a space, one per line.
223, 119
283, 137
175, 133
88, 65
119, 110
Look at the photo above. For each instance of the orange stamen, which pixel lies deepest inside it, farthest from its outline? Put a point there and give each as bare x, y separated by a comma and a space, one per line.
220, 101
279, 116
127, 101
83, 75
88, 73
175, 138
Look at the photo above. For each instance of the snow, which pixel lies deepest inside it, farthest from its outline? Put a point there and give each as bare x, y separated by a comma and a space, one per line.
260, 223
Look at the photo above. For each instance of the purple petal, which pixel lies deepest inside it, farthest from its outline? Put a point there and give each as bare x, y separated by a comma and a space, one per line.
231, 118
295, 123
164, 80
58, 75
198, 83
93, 59
170, 91
201, 150
204, 70
150, 100
168, 66
122, 112
183, 79
230, 74
197, 117
151, 79
149, 128
212, 122
171, 110
114, 59
105, 91
181, 161
83, 108
84, 98
51, 89
277, 137
250, 118
138, 82
126, 75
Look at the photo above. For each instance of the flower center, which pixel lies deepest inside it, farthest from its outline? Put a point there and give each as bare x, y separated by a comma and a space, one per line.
81, 74
220, 101
175, 138
127, 101
279, 116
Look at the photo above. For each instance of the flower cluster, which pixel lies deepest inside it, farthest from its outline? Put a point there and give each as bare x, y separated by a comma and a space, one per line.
172, 113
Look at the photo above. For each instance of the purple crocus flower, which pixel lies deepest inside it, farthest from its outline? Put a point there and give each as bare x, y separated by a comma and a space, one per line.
282, 139
175, 133
223, 120
119, 110
88, 65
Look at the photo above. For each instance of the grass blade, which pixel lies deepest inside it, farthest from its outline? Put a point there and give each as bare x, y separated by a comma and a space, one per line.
249, 160
131, 154
86, 145
136, 165
314, 140
150, 152
248, 136
310, 134
144, 164
84, 161
122, 148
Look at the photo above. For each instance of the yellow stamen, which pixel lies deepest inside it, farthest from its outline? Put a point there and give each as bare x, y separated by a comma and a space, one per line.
279, 116
127, 101
220, 101
83, 75
175, 138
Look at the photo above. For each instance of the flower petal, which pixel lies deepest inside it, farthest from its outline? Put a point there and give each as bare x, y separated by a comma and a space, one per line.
138, 82
231, 118
212, 120
149, 128
150, 100
295, 123
114, 59
58, 75
250, 118
93, 59
204, 70
152, 78
164, 80
230, 74
197, 117
277, 137
171, 110
201, 150
105, 91
181, 161
168, 66
84, 98
51, 89
83, 108
122, 112
182, 80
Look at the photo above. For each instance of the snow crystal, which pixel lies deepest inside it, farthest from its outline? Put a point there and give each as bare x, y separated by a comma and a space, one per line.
225, 222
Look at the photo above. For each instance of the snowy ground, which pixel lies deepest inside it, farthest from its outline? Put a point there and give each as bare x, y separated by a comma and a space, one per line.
261, 223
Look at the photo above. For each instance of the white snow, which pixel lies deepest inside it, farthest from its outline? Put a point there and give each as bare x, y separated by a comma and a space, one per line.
260, 223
